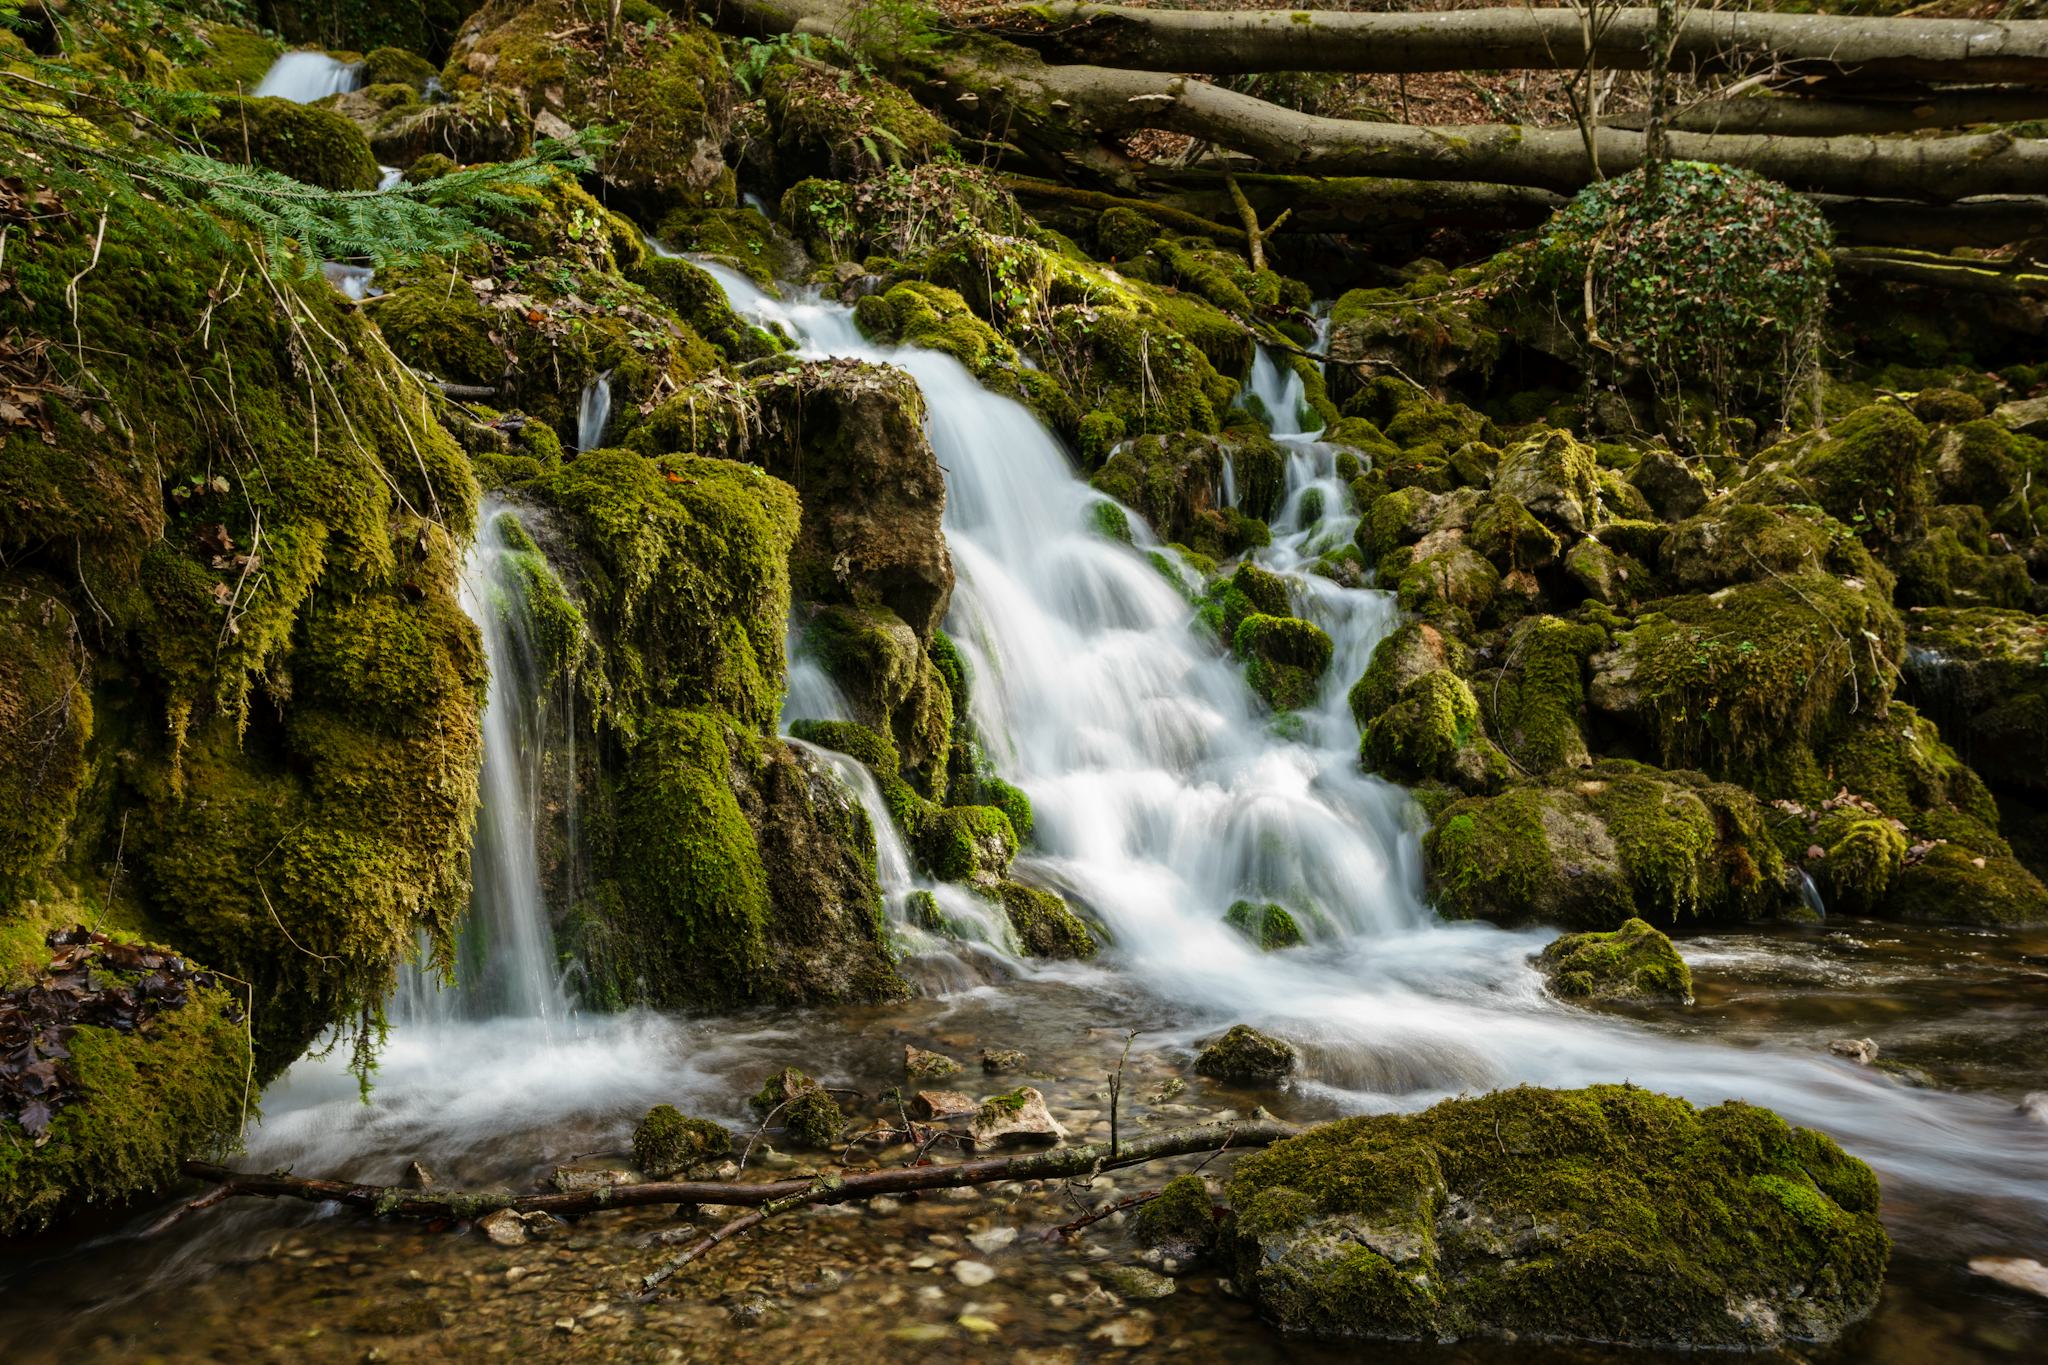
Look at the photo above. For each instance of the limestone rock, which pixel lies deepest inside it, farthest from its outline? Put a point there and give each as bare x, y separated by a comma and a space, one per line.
940, 1105
1018, 1118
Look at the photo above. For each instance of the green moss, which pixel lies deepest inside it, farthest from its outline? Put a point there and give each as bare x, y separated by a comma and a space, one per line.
1122, 234
698, 300
46, 721
1939, 570
1869, 475
1861, 859
143, 1102
1175, 482
1950, 884
1595, 850
685, 578
809, 1116
1181, 1218
843, 124
1635, 961
1432, 730
306, 143
1983, 675
1607, 1214
1729, 681
667, 1141
1284, 658
1245, 1056
231, 60
1043, 923
1270, 927
1537, 707
397, 66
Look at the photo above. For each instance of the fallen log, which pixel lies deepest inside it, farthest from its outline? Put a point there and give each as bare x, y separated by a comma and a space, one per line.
1240, 42
1053, 1163
1799, 115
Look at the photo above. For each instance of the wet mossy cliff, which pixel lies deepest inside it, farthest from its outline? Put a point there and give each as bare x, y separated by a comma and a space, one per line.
241, 717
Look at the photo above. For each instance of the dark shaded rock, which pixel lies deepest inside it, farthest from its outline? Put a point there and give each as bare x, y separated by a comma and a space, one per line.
1245, 1056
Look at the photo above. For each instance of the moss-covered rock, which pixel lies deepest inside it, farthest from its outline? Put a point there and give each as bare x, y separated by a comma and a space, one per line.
1950, 884
842, 123
1268, 926
1180, 1220
1284, 657
1673, 487
1554, 476
1593, 851
1176, 482
1537, 700
1983, 675
1737, 540
807, 1113
662, 84
302, 141
1950, 566
45, 724
1433, 731
698, 300
1633, 962
1437, 327
1608, 1214
893, 684
667, 1141
1869, 473
1245, 1056
1043, 923
1732, 681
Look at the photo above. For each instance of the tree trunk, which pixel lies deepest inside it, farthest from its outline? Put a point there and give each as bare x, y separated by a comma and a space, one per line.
1234, 42
1810, 116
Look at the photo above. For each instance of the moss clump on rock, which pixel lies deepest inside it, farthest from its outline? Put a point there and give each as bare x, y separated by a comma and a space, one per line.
1245, 1056
667, 1140
1951, 884
1180, 1220
1634, 962
45, 724
1432, 731
1269, 926
1176, 483
306, 143
808, 1114
1869, 473
1284, 658
1607, 1214
1043, 923
1595, 850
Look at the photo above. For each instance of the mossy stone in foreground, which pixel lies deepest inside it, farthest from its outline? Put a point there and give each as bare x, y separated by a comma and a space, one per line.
1606, 1214
1634, 962
1044, 924
1180, 1220
1246, 1056
668, 1140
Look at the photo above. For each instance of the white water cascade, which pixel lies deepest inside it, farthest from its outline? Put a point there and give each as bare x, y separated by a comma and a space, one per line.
593, 411
507, 962
1164, 791
303, 77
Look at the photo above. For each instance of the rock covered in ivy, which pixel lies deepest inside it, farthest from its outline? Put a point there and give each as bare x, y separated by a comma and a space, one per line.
667, 1140
1633, 962
1607, 1214
1245, 1056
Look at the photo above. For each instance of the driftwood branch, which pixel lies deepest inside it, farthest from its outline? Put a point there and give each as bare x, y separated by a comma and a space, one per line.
1052, 1163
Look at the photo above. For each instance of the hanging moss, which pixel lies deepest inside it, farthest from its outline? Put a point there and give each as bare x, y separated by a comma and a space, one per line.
1607, 1214
46, 720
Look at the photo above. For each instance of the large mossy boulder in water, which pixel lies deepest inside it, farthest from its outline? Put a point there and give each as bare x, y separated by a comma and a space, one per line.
1177, 482
1284, 657
1608, 1214
1043, 923
1595, 849
1634, 962
1245, 1056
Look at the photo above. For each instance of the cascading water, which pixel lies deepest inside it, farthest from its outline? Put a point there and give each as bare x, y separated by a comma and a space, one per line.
303, 77
506, 965
593, 411
1163, 791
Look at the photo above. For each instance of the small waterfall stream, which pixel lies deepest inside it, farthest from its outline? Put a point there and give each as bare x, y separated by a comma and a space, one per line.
593, 411
1163, 792
303, 77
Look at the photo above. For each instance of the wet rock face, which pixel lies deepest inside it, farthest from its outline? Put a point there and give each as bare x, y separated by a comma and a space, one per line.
1606, 1214
850, 437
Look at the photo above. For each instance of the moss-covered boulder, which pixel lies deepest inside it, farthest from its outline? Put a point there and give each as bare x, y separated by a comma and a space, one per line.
1634, 962
1433, 731
1553, 475
1983, 675
667, 1141
1675, 488
1437, 326
1608, 1214
490, 124
1177, 482
1269, 926
1733, 681
1284, 658
1180, 1220
302, 141
1044, 926
661, 84
1245, 1056
1953, 884
1537, 697
698, 300
1743, 539
1592, 851
1869, 473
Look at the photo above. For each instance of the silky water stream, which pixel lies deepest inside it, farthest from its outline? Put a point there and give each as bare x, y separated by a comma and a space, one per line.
1163, 791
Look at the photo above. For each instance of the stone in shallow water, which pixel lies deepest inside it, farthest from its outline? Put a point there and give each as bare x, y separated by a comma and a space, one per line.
1018, 1118
1861, 1051
2015, 1272
944, 1104
507, 1228
973, 1274
996, 1060
989, 1242
1136, 1282
1247, 1057
928, 1066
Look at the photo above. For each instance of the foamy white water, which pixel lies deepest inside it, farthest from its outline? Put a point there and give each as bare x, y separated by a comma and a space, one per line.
1163, 791
303, 77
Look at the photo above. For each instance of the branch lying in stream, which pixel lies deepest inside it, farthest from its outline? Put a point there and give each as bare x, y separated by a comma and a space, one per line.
1052, 1163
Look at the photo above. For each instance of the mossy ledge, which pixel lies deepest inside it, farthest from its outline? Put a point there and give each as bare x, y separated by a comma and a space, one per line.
1608, 1214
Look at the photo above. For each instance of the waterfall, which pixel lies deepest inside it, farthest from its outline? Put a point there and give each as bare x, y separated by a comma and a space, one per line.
506, 964
593, 412
1163, 791
303, 77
